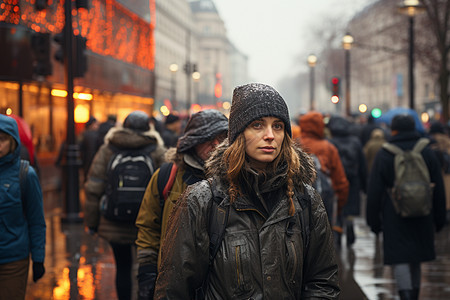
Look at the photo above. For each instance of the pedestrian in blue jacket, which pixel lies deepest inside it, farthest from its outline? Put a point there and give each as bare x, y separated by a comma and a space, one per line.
22, 222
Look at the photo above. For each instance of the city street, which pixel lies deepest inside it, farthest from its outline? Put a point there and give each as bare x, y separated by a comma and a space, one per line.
81, 266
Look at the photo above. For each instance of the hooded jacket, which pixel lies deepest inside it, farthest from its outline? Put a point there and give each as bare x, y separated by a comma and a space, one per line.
22, 222
122, 138
313, 141
405, 240
262, 255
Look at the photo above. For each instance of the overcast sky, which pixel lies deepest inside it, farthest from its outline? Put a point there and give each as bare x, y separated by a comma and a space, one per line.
274, 33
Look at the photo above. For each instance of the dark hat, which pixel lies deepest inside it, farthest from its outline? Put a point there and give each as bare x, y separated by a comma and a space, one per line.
202, 127
171, 119
137, 121
253, 101
403, 122
436, 127
91, 121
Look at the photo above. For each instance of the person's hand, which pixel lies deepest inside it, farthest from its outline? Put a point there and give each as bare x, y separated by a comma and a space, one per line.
146, 281
38, 270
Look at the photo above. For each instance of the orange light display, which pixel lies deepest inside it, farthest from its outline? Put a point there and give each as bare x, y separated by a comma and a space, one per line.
110, 29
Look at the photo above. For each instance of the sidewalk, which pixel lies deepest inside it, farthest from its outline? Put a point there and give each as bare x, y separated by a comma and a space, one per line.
375, 279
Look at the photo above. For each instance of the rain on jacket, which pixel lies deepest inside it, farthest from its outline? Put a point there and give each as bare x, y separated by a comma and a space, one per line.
152, 225
259, 257
313, 141
22, 229
122, 138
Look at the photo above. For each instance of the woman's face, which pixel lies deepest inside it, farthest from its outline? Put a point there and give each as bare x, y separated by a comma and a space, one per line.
263, 140
5, 144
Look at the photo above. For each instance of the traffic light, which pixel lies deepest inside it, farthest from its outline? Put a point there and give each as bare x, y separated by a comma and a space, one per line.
40, 43
59, 39
80, 62
335, 85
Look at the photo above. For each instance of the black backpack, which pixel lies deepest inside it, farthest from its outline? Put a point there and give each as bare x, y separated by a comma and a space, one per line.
128, 173
324, 187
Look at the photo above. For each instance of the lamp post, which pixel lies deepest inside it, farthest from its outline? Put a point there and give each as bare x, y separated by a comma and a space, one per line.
312, 60
347, 42
196, 76
411, 8
173, 69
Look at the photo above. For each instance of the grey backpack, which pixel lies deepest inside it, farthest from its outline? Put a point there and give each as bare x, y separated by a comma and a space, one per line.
412, 190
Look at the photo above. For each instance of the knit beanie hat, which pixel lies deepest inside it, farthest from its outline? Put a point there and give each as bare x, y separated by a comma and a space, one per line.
137, 121
202, 127
403, 122
253, 101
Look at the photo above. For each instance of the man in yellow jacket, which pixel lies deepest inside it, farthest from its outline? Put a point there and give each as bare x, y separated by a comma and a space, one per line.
204, 131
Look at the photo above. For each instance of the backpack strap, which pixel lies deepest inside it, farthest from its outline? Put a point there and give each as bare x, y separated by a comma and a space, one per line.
420, 145
23, 172
392, 148
218, 221
165, 181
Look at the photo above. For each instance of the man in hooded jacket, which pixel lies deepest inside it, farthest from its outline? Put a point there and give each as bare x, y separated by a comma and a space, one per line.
22, 225
135, 133
203, 132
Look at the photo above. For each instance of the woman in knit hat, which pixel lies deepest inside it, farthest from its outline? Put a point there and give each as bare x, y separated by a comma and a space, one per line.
274, 241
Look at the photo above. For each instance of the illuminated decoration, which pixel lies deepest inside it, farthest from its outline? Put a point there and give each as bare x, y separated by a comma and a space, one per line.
195, 108
81, 113
110, 28
164, 110
83, 96
376, 113
168, 104
8, 111
58, 93
425, 117
335, 99
226, 105
362, 108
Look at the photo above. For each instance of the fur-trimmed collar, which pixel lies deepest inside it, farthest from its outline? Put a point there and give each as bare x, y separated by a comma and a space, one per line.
306, 174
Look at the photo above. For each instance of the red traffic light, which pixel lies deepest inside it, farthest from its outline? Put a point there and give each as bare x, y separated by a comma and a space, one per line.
334, 80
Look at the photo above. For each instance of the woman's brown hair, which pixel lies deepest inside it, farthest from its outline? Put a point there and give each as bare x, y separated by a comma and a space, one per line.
234, 160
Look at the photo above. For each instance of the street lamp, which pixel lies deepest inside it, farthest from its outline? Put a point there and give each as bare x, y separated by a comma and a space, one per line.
312, 60
173, 69
411, 8
196, 76
347, 42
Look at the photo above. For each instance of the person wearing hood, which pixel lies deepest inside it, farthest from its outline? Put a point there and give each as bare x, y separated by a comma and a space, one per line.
407, 242
204, 131
135, 134
313, 141
23, 228
354, 163
277, 241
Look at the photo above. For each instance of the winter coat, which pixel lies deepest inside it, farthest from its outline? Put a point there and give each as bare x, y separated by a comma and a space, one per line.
151, 221
353, 161
22, 225
372, 147
122, 138
259, 258
313, 141
405, 240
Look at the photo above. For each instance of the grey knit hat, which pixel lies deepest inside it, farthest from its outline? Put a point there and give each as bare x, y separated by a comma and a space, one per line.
202, 127
253, 101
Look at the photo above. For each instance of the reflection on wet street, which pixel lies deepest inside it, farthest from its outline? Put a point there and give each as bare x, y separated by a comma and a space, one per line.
80, 266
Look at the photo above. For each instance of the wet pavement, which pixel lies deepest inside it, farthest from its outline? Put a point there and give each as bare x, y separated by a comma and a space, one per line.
81, 266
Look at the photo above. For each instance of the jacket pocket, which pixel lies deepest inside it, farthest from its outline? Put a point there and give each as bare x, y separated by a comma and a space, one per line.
240, 265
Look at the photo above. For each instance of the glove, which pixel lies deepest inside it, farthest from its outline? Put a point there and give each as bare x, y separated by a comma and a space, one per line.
38, 270
146, 281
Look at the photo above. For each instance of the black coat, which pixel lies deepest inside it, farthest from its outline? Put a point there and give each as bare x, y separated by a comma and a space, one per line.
406, 240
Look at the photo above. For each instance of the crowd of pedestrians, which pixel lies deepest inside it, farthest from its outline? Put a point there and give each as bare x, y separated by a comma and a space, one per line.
232, 207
